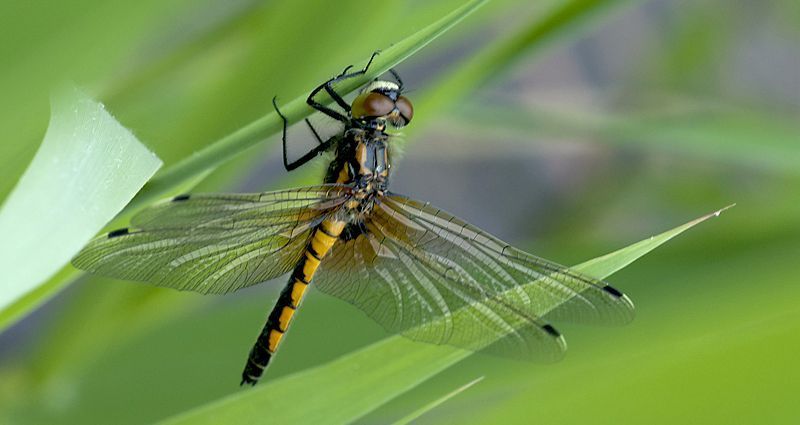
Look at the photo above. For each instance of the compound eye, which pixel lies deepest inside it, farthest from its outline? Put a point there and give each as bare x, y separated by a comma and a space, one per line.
371, 104
405, 108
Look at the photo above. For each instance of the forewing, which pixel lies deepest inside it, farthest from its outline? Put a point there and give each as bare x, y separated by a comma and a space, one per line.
213, 243
542, 287
424, 273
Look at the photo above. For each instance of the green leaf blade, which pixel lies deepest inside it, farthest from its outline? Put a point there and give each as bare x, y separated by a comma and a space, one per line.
86, 170
436, 403
606, 265
347, 388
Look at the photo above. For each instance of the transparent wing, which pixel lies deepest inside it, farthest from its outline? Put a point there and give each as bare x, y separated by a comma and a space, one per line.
409, 291
425, 273
546, 289
213, 243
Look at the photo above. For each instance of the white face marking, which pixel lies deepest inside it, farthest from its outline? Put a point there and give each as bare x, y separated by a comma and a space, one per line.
381, 86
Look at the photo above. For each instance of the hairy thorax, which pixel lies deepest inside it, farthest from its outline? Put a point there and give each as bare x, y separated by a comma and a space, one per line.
362, 161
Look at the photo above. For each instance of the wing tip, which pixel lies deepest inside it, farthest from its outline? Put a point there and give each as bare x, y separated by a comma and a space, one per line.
628, 307
561, 344
619, 295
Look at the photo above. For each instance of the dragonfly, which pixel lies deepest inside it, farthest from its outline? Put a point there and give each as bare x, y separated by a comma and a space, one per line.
413, 268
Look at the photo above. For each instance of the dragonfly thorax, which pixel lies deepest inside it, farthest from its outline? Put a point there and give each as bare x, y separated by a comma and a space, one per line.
362, 160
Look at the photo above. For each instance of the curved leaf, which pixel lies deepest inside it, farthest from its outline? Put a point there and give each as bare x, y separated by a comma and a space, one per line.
87, 168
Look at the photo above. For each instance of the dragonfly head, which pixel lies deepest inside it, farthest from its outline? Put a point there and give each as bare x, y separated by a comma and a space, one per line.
382, 101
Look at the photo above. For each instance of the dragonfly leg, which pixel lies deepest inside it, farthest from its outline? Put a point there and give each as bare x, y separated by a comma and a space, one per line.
314, 131
323, 146
312, 101
328, 87
347, 68
397, 77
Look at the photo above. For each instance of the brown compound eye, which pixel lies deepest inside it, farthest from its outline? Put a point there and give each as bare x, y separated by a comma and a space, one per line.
405, 108
371, 104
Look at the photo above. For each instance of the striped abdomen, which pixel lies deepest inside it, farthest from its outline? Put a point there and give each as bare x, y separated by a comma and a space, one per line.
322, 239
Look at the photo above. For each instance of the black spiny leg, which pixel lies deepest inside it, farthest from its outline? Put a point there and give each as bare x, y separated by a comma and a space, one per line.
397, 77
328, 87
314, 131
347, 68
323, 146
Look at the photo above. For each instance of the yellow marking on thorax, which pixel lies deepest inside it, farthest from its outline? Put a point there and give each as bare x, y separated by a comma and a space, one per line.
361, 155
344, 175
387, 165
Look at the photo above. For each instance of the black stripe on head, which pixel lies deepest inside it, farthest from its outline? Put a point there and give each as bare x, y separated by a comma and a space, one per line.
118, 232
551, 330
180, 198
613, 291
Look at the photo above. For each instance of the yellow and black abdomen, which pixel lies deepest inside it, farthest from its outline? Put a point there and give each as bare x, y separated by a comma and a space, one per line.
359, 160
322, 239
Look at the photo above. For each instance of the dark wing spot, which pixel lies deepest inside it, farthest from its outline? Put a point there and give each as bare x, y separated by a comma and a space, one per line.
613, 291
551, 330
118, 232
180, 198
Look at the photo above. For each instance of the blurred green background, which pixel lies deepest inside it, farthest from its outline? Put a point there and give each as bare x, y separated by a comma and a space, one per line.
615, 120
